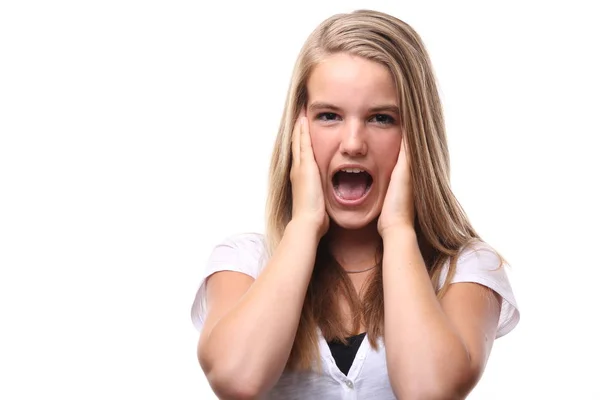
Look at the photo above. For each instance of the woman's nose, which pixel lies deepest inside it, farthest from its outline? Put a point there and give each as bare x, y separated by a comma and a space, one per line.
353, 141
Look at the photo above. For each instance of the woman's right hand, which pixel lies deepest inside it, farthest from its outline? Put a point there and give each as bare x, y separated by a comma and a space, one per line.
308, 206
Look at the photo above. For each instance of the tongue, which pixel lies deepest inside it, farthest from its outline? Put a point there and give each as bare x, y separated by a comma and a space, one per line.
351, 186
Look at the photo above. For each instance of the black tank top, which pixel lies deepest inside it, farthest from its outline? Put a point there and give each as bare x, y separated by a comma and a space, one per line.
344, 355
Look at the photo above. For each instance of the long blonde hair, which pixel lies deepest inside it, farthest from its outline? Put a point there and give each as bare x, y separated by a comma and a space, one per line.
442, 227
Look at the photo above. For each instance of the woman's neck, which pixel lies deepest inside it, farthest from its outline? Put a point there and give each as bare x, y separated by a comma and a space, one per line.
354, 249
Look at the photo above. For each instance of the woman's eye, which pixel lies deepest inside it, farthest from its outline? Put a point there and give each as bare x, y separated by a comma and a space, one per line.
383, 119
327, 116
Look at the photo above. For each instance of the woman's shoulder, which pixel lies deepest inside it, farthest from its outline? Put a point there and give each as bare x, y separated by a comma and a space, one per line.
240, 252
254, 241
246, 250
479, 262
475, 257
479, 255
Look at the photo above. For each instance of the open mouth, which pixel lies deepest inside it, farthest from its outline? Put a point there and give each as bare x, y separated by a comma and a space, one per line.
352, 183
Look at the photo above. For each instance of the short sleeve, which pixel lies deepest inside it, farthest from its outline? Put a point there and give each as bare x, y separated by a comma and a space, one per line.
243, 253
480, 264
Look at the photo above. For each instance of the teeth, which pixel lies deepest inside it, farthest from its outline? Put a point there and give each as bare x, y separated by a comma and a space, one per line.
353, 170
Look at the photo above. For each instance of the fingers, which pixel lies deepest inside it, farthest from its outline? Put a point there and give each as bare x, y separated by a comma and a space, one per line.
305, 143
296, 142
403, 156
301, 143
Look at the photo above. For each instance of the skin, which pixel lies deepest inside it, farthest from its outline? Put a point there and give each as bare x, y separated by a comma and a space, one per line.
251, 324
342, 93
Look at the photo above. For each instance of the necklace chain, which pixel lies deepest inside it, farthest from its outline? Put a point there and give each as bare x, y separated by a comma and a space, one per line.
359, 271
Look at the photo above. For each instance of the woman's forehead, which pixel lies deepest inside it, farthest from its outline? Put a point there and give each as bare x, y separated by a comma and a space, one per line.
342, 79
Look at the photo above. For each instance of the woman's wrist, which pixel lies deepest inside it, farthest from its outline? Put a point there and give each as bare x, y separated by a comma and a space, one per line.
303, 229
400, 232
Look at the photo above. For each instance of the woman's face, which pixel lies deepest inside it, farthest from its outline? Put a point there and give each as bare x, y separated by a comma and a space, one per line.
354, 122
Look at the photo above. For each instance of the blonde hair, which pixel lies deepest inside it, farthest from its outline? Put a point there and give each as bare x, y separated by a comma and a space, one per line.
442, 227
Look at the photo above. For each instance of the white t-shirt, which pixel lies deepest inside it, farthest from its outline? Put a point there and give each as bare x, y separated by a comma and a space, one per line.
367, 377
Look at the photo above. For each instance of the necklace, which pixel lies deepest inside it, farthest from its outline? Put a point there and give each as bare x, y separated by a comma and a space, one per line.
361, 270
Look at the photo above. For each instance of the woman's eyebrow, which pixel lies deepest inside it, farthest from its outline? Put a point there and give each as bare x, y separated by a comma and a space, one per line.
319, 105
386, 107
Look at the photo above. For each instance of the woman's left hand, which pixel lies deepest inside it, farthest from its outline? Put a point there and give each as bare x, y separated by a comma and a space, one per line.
398, 207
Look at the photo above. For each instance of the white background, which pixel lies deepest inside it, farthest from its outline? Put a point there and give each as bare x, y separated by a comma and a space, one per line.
135, 135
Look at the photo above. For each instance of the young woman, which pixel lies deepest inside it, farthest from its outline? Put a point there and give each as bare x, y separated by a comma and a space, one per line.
370, 282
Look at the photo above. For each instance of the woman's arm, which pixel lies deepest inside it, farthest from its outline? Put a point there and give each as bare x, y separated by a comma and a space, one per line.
250, 329
251, 325
435, 349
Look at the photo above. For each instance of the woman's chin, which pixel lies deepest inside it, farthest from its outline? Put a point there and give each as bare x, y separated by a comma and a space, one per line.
351, 220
